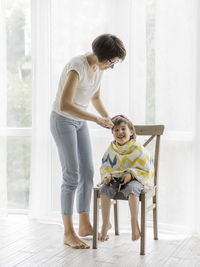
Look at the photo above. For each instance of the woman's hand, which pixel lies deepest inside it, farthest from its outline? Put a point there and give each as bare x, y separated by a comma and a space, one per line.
126, 177
105, 122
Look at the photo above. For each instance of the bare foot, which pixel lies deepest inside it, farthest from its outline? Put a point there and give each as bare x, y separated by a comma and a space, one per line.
135, 232
85, 231
89, 231
73, 241
104, 230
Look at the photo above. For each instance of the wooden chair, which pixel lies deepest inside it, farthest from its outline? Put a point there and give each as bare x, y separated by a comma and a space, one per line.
146, 130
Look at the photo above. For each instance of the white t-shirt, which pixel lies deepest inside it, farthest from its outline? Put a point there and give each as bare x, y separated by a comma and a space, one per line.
89, 83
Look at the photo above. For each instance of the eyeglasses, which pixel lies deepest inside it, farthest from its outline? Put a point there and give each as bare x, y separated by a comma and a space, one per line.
112, 62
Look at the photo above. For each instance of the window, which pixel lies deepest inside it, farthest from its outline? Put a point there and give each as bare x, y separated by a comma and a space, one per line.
19, 99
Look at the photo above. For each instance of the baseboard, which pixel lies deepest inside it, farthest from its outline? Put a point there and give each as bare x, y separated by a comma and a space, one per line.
171, 228
55, 218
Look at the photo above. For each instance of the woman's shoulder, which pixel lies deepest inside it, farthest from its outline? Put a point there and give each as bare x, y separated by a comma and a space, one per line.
77, 61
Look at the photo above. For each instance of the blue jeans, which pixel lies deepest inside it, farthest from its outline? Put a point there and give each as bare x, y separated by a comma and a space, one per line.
74, 149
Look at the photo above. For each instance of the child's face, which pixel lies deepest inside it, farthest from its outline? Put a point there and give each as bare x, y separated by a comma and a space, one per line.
122, 133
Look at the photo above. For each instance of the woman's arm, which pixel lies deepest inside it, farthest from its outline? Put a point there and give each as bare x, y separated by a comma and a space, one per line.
67, 105
98, 104
66, 102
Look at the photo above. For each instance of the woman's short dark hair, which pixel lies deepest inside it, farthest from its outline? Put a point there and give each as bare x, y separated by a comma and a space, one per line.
108, 46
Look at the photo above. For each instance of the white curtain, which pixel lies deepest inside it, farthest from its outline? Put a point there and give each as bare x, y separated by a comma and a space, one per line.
197, 130
62, 29
3, 170
177, 108
40, 180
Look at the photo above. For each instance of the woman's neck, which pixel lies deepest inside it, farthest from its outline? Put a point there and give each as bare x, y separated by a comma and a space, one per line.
92, 61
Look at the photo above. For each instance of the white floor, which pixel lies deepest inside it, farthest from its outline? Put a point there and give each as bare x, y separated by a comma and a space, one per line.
28, 243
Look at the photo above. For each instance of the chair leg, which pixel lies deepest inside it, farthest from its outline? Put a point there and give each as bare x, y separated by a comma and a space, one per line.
116, 218
95, 219
143, 225
155, 225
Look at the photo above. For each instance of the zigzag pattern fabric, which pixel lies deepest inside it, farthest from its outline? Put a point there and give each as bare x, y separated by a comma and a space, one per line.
131, 157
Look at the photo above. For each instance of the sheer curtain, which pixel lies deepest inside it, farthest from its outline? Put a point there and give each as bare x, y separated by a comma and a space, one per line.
177, 108
62, 29
3, 183
197, 129
40, 180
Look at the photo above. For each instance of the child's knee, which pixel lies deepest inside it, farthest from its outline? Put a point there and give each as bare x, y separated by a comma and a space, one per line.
107, 190
132, 196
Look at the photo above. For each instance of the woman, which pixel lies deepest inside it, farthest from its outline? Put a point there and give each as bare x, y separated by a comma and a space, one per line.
80, 83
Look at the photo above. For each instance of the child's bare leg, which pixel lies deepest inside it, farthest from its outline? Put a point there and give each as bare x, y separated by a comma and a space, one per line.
105, 209
133, 205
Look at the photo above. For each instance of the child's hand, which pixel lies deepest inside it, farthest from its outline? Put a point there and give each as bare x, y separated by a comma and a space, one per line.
107, 180
126, 177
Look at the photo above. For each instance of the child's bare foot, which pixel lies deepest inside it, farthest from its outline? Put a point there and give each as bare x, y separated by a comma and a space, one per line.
135, 232
89, 231
104, 230
73, 241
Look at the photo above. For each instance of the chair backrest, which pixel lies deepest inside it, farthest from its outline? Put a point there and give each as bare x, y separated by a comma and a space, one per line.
153, 131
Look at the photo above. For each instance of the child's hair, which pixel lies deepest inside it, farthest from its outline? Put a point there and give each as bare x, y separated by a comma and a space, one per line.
108, 46
117, 120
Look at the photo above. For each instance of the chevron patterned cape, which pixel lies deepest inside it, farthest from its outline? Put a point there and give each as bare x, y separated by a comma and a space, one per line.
131, 157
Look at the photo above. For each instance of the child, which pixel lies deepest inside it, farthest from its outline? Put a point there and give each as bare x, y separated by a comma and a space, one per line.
126, 166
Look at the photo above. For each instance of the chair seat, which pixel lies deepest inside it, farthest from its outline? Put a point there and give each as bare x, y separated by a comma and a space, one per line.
119, 196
